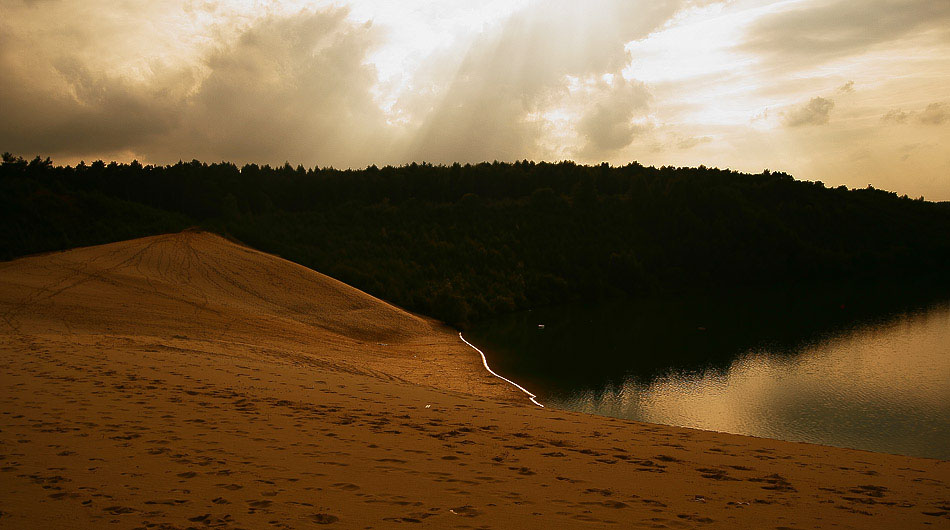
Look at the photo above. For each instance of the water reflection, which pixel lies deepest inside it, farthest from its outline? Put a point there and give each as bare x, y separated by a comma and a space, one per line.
879, 381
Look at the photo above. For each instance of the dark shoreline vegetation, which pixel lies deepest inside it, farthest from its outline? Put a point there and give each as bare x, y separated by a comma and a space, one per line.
463, 243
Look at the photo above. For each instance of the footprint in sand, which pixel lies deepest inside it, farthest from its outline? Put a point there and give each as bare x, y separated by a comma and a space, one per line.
118, 510
465, 511
323, 518
167, 502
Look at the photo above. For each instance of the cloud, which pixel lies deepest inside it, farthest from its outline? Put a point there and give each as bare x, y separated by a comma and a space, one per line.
488, 104
283, 88
935, 114
60, 106
300, 87
607, 125
816, 112
263, 81
294, 88
895, 116
846, 88
816, 31
691, 142
907, 150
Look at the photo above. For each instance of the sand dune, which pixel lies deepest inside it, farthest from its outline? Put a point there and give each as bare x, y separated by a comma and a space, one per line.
184, 381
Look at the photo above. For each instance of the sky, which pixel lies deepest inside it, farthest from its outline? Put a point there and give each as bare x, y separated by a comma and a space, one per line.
839, 91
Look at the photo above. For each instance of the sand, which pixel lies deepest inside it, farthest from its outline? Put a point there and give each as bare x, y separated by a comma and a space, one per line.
184, 381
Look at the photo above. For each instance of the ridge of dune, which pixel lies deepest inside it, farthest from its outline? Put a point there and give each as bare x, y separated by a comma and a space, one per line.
184, 381
213, 276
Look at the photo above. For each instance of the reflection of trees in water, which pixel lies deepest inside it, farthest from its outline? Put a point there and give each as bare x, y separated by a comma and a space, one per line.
648, 338
876, 386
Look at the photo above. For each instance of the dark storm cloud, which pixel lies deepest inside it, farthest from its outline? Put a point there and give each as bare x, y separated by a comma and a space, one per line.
286, 88
820, 31
60, 106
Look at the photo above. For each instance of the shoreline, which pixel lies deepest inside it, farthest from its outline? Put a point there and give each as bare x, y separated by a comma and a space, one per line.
531, 396
869, 384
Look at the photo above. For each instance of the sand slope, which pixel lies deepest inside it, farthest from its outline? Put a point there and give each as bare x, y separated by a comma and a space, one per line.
184, 381
198, 290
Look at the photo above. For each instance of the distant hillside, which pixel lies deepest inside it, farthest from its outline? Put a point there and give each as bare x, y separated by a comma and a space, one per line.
462, 243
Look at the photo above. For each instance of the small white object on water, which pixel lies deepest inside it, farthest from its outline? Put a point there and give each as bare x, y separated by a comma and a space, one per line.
540, 326
428, 406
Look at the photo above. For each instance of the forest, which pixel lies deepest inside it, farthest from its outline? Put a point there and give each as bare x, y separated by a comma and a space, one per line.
465, 242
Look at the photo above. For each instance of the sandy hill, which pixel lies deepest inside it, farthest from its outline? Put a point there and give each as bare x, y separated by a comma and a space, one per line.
184, 381
198, 289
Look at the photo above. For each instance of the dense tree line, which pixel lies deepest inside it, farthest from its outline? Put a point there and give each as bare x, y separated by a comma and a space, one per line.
466, 242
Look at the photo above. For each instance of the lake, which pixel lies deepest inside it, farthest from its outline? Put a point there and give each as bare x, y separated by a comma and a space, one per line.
864, 367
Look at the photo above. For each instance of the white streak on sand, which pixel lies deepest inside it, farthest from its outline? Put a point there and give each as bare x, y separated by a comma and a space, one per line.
485, 362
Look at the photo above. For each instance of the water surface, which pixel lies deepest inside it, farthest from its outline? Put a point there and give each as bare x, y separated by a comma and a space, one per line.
858, 367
